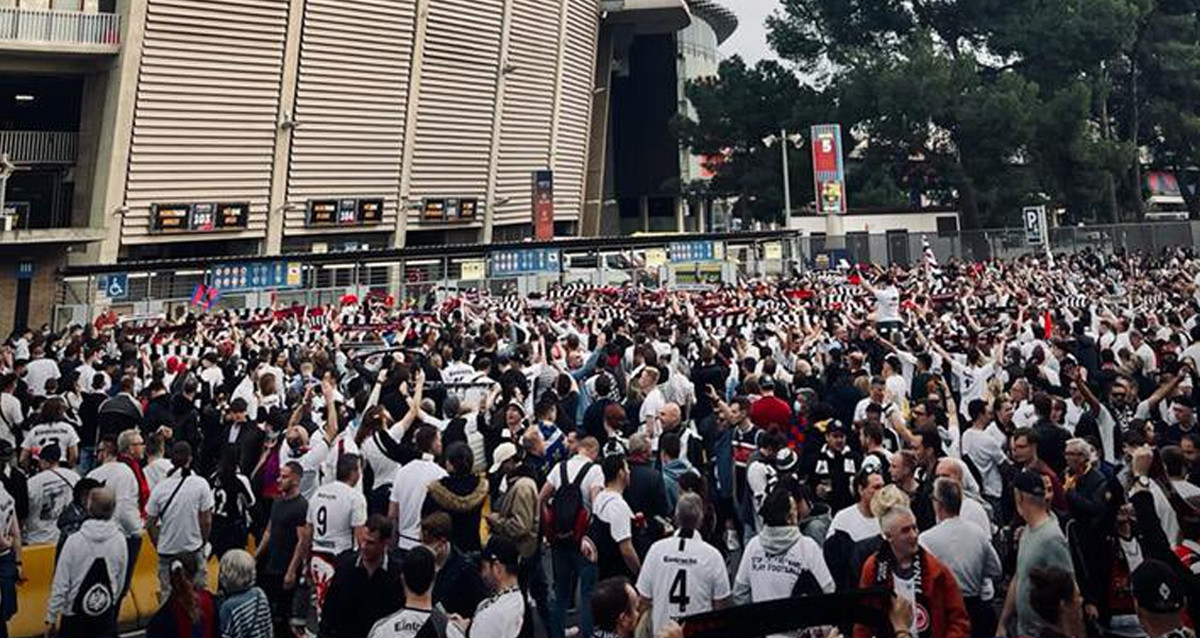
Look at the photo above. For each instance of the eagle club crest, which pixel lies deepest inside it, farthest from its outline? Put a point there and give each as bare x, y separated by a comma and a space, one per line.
920, 617
97, 600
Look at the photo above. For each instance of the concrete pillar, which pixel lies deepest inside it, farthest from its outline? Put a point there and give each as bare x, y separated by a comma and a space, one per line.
556, 118
644, 212
410, 123
116, 133
489, 210
277, 204
679, 204
593, 192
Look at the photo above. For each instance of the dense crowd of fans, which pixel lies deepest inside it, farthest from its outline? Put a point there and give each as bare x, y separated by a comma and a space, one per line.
1011, 447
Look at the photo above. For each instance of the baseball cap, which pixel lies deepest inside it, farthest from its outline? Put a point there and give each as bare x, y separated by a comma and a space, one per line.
766, 383
1030, 482
504, 452
1157, 588
835, 425
501, 550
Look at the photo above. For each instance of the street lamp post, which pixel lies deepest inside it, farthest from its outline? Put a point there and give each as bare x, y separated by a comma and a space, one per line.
783, 138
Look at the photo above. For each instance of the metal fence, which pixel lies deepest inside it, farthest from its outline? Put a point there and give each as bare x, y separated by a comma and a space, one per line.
40, 147
154, 289
59, 27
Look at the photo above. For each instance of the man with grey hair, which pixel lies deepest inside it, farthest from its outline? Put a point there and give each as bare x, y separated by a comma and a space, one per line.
903, 566
966, 551
90, 573
683, 575
245, 612
972, 511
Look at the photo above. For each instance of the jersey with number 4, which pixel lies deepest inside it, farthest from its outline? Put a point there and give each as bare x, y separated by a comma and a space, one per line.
334, 511
682, 575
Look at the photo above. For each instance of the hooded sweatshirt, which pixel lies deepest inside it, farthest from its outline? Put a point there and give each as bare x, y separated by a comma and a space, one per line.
774, 563
90, 572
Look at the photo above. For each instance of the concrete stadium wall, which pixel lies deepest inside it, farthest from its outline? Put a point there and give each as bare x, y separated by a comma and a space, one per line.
395, 99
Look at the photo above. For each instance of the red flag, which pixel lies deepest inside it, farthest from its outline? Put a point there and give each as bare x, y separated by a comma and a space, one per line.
1048, 323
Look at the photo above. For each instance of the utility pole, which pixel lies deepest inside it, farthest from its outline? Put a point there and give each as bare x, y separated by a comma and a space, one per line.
783, 138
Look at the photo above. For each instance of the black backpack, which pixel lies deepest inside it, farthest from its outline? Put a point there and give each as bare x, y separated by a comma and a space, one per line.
566, 518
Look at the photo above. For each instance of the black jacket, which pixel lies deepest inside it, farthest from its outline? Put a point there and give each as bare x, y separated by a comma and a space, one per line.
646, 495
458, 587
356, 600
158, 414
462, 498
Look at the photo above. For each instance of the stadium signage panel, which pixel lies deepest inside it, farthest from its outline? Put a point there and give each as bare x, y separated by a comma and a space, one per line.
346, 211
257, 275
543, 205
199, 216
697, 251
526, 261
449, 209
829, 174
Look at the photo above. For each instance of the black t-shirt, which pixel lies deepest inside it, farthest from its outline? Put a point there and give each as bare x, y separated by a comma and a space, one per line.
286, 516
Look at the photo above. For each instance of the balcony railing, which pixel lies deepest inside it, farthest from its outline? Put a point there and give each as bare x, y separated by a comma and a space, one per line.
40, 147
29, 26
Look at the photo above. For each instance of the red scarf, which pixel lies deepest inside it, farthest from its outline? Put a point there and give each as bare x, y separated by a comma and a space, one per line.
143, 486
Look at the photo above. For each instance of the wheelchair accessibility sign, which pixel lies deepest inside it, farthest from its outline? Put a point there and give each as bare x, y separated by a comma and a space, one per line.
115, 286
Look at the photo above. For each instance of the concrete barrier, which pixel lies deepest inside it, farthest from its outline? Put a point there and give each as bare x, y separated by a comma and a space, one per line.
136, 610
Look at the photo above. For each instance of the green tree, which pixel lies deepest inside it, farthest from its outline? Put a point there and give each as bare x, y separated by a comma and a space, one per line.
734, 112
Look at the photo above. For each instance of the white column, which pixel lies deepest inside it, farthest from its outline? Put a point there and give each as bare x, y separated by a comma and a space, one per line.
277, 204
489, 210
410, 123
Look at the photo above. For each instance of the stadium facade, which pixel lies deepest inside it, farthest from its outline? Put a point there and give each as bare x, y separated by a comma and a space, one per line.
192, 128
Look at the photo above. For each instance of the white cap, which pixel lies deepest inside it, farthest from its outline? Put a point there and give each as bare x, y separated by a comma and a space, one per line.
504, 452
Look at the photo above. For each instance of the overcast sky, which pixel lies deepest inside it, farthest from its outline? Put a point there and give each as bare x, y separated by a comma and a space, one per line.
750, 39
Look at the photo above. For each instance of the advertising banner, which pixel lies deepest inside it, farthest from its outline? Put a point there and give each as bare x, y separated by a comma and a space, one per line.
543, 205
829, 175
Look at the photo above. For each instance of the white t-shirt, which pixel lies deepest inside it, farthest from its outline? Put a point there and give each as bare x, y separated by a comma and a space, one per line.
972, 381
408, 493
501, 616
156, 470
906, 588
334, 511
122, 481
43, 434
11, 417
611, 508
594, 478
8, 512
682, 576
50, 492
402, 624
179, 520
987, 455
649, 411
37, 372
852, 521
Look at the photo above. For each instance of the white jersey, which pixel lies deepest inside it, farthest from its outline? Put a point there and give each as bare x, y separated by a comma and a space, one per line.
402, 624
501, 616
50, 491
123, 482
59, 433
408, 493
334, 511
682, 575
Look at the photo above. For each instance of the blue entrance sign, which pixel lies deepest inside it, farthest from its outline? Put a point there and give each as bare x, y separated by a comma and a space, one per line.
525, 261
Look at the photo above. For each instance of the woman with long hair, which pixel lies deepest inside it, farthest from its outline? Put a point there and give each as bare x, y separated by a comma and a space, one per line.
233, 498
189, 611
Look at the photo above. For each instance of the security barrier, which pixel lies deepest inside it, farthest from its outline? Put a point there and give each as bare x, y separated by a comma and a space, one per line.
136, 610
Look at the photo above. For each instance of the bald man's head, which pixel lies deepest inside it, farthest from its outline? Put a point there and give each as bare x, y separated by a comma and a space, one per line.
102, 501
951, 469
670, 416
